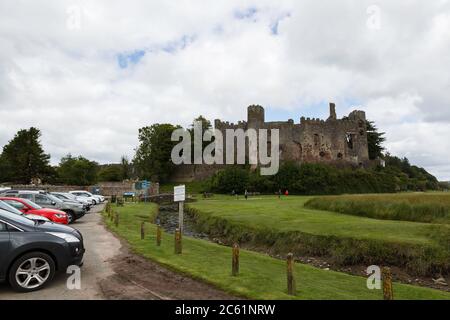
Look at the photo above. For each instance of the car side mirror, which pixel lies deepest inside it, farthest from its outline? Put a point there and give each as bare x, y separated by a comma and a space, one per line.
53, 203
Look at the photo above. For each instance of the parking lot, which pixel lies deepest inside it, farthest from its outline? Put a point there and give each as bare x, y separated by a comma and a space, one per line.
111, 271
101, 247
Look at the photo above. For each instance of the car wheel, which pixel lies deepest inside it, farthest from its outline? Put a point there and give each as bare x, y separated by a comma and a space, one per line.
70, 217
94, 202
31, 272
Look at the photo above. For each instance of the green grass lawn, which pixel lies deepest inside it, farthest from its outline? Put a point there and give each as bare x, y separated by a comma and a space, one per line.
261, 277
289, 214
286, 225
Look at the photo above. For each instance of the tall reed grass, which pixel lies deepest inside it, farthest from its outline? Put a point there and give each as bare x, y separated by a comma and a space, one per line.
425, 207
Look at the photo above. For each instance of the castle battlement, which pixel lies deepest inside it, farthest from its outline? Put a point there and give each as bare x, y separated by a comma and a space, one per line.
341, 141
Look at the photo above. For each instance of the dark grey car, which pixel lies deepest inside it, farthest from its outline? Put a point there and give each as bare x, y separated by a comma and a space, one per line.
31, 252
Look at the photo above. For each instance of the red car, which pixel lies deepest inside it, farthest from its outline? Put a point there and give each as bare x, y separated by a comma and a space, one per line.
29, 207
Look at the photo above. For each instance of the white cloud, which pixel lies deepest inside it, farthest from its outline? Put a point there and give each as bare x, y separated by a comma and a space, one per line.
215, 59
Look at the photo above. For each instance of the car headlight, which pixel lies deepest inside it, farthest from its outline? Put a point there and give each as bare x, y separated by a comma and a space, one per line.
68, 237
60, 215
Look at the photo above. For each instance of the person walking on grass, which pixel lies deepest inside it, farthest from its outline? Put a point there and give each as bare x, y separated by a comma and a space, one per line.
246, 194
279, 194
286, 193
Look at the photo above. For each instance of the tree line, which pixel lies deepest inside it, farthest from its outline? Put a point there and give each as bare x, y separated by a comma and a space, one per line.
23, 161
315, 178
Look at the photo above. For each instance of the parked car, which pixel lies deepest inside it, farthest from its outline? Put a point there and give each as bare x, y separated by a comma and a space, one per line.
31, 252
68, 197
82, 193
4, 189
74, 210
28, 207
7, 191
7, 207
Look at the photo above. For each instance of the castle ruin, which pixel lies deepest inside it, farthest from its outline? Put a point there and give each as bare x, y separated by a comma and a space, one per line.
339, 142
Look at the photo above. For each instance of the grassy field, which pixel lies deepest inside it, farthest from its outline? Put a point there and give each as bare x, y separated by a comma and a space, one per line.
261, 277
286, 225
423, 207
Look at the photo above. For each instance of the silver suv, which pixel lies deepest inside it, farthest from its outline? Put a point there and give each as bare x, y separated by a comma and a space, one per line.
74, 210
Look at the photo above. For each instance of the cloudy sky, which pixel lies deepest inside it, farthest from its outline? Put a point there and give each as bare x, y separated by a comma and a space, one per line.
90, 73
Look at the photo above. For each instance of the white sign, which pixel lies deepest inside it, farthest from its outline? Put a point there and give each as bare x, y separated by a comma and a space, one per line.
179, 193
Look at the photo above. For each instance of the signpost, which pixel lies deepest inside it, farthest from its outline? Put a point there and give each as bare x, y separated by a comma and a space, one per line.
145, 185
179, 195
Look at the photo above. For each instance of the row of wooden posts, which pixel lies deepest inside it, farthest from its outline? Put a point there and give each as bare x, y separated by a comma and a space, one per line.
388, 293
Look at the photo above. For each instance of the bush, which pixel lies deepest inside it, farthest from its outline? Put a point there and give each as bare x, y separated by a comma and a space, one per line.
305, 179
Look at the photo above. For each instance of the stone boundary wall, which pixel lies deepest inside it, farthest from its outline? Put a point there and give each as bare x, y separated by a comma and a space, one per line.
106, 188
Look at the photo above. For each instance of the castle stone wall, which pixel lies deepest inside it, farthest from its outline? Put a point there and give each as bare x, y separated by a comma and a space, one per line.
340, 142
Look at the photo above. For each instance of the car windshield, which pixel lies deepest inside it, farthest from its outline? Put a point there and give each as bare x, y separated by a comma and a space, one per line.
60, 196
70, 196
31, 204
15, 217
83, 194
53, 198
7, 207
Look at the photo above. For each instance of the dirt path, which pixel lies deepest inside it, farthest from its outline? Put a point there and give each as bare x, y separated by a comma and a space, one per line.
110, 271
137, 278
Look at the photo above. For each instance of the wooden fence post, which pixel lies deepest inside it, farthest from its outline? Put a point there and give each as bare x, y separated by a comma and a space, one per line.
235, 261
142, 230
116, 219
178, 241
290, 275
158, 235
388, 291
156, 213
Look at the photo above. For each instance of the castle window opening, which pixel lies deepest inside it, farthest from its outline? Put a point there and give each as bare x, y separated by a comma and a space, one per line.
322, 154
316, 140
349, 139
339, 155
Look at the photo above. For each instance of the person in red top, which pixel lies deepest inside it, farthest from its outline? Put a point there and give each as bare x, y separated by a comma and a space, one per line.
286, 193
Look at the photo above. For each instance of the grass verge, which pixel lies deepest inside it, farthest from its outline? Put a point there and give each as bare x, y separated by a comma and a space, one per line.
261, 277
285, 225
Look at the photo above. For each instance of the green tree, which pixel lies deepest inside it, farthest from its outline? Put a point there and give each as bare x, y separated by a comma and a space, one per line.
152, 159
77, 171
23, 158
111, 172
231, 178
206, 125
375, 140
125, 168
3, 169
